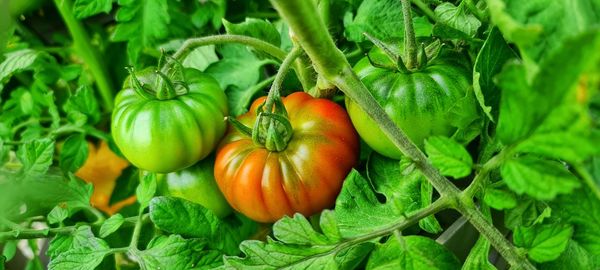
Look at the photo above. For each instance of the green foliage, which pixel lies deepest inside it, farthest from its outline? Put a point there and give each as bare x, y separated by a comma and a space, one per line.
174, 252
111, 225
387, 24
412, 252
535, 161
451, 158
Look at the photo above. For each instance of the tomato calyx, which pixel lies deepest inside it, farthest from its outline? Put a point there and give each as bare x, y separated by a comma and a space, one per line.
163, 83
426, 54
272, 128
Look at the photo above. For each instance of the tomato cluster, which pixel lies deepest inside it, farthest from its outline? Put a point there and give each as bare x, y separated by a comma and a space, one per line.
304, 171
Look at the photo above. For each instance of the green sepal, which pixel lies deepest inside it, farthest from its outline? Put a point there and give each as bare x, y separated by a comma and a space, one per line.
138, 86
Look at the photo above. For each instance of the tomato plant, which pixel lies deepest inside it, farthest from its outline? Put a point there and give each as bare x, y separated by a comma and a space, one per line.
428, 134
304, 177
197, 184
169, 131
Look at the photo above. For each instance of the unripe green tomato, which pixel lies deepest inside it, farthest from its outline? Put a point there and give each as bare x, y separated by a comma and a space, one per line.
168, 135
423, 103
196, 184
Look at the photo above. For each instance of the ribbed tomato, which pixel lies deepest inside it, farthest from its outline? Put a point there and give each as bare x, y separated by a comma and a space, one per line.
168, 133
436, 100
304, 177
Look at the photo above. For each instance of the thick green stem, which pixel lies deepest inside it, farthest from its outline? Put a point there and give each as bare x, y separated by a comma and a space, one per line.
302, 71
87, 52
496, 238
330, 62
410, 42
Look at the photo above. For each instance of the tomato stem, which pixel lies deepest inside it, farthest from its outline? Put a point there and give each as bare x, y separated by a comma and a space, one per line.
302, 69
89, 54
164, 87
330, 62
274, 92
410, 42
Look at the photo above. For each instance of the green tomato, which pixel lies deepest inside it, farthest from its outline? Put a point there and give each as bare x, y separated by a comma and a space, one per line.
436, 100
174, 132
196, 184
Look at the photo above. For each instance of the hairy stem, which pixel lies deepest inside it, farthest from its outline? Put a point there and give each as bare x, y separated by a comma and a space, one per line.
133, 245
47, 233
302, 71
330, 62
410, 42
87, 52
275, 90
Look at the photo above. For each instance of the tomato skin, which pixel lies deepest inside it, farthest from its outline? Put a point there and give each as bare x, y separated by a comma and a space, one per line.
421, 103
197, 184
168, 135
305, 177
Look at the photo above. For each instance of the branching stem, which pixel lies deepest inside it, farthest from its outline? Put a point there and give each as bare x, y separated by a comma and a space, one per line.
301, 70
330, 62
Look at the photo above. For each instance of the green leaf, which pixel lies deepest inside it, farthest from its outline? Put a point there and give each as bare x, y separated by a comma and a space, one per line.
210, 11
490, 60
2, 261
200, 58
237, 72
526, 213
17, 61
565, 135
412, 252
299, 246
457, 18
405, 189
538, 178
574, 257
111, 225
57, 215
526, 103
388, 24
543, 242
81, 238
141, 24
80, 258
74, 152
86, 8
582, 210
401, 185
179, 216
174, 252
36, 156
499, 198
451, 158
539, 27
358, 211
82, 107
146, 189
255, 28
